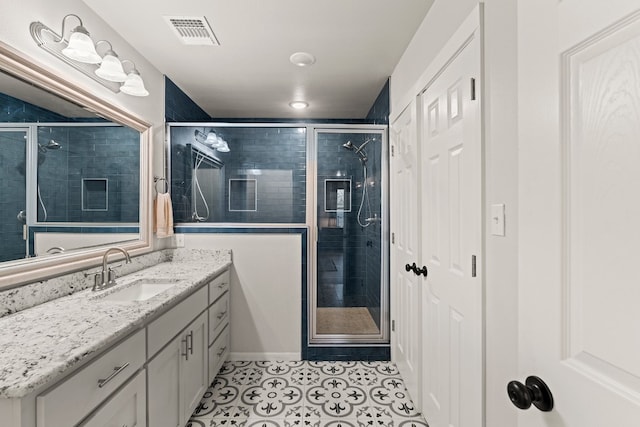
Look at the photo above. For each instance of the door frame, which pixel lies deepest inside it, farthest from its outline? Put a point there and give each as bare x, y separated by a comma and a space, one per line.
315, 339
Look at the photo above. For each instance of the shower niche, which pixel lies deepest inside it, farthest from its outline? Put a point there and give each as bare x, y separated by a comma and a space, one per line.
337, 195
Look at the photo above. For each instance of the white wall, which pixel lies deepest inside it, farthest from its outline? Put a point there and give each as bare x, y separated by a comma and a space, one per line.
266, 293
500, 174
441, 22
14, 31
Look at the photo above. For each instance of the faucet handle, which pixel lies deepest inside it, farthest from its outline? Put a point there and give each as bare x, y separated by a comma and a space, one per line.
111, 275
98, 280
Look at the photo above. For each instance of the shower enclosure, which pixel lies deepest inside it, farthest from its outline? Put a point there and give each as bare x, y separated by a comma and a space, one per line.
331, 179
350, 293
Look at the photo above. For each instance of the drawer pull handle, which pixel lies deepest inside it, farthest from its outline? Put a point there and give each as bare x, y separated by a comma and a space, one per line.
116, 371
222, 285
221, 352
221, 315
188, 345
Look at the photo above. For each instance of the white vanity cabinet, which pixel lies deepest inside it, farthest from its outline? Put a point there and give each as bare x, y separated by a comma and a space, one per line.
177, 374
71, 400
219, 337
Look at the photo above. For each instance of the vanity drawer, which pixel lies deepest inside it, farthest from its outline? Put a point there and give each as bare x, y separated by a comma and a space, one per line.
126, 408
218, 353
167, 326
218, 286
73, 399
218, 316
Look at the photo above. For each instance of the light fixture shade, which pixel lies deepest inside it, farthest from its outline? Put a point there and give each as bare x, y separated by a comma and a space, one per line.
134, 85
111, 68
81, 47
224, 147
212, 139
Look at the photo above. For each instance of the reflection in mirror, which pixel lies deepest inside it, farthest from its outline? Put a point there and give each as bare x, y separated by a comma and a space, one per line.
73, 180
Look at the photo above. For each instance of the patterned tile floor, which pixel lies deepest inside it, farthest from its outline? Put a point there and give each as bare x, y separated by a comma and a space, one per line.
313, 394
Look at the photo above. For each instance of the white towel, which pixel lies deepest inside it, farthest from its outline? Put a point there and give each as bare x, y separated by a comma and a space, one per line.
163, 216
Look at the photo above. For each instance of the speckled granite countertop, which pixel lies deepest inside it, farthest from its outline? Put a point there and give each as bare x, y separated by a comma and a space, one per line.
41, 343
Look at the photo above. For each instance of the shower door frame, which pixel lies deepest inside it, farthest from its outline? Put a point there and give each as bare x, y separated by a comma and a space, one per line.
30, 157
350, 340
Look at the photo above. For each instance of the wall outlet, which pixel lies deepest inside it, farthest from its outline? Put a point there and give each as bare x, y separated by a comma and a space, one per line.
179, 240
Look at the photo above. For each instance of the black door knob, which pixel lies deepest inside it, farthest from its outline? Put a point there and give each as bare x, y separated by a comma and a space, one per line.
408, 267
422, 271
534, 390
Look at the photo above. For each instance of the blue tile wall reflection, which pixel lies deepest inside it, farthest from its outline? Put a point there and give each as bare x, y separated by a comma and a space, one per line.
111, 153
275, 158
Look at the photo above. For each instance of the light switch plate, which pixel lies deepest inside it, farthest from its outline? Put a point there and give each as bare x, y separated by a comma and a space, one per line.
180, 240
497, 220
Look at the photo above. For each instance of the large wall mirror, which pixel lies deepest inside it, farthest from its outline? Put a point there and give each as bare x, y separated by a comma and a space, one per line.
74, 173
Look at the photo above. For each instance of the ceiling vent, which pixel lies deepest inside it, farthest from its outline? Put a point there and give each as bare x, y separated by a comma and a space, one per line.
192, 30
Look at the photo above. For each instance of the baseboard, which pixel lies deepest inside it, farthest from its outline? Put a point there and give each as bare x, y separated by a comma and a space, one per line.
264, 356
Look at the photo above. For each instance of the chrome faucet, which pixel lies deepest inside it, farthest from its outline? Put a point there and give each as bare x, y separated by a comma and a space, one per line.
107, 277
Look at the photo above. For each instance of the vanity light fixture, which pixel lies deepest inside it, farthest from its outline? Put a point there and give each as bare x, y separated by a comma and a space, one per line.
80, 52
211, 139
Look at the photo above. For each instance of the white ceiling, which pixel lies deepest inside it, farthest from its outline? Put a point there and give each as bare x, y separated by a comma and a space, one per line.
357, 43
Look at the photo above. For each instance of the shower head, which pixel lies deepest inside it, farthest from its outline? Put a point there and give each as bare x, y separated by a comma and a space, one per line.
348, 145
53, 145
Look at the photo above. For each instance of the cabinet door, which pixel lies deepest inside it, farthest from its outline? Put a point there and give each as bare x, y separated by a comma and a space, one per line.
125, 409
164, 386
194, 372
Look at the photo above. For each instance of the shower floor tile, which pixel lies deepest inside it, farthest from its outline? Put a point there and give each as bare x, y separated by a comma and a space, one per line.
311, 394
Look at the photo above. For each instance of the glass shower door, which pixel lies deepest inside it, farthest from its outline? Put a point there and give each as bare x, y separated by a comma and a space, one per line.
350, 282
13, 209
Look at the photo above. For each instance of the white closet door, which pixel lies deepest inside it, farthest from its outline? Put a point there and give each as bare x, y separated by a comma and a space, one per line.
452, 361
405, 247
579, 228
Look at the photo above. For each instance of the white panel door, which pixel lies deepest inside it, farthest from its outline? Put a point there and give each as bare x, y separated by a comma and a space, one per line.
579, 227
405, 286
452, 380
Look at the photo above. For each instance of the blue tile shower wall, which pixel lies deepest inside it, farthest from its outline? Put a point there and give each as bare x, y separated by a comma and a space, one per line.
379, 112
179, 107
111, 153
274, 157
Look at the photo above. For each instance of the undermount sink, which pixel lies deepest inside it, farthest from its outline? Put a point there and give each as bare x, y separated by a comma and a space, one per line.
140, 290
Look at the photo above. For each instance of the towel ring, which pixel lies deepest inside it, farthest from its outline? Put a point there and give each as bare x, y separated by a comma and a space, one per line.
156, 180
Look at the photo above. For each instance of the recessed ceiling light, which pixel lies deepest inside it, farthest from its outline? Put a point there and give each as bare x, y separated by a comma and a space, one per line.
298, 105
302, 59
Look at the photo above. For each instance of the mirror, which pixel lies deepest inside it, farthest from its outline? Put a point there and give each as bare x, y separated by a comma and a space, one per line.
74, 172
